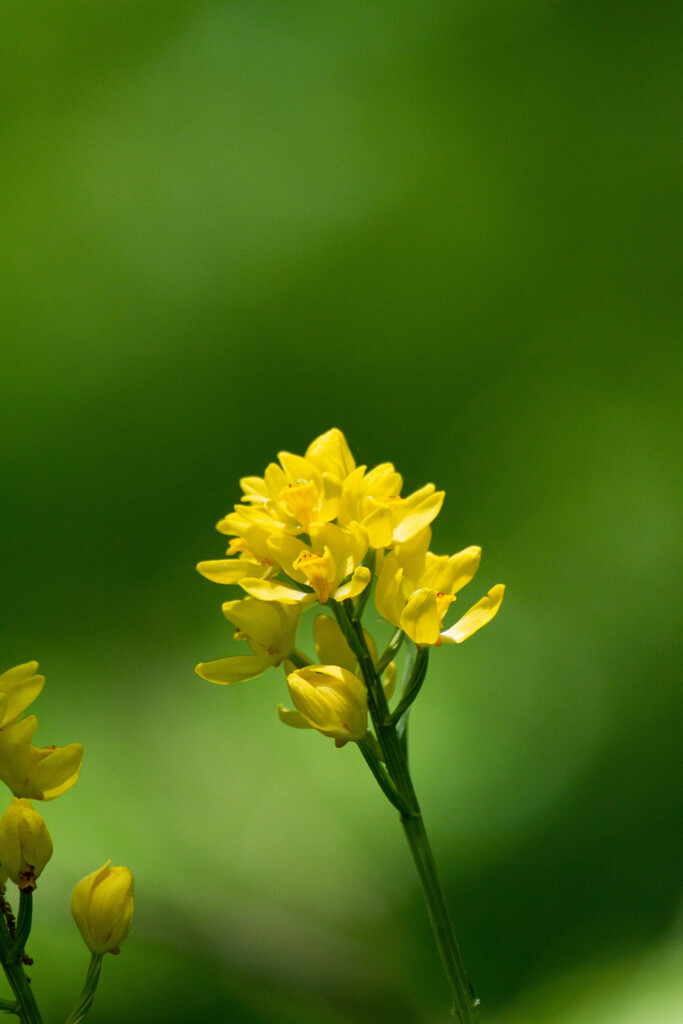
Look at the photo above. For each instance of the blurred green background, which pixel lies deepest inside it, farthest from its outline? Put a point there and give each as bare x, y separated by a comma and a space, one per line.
447, 228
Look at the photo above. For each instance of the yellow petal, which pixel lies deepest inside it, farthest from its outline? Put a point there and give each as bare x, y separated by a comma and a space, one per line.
15, 753
19, 687
421, 619
380, 526
329, 504
269, 590
419, 516
389, 682
234, 670
349, 507
331, 453
320, 570
299, 468
102, 907
25, 844
331, 699
293, 718
331, 645
389, 599
347, 546
254, 487
275, 479
481, 613
56, 770
382, 482
371, 646
302, 499
355, 586
451, 574
271, 625
412, 555
286, 549
19, 673
463, 566
231, 570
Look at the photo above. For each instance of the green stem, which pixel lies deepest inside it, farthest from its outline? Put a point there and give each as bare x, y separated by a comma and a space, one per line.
24, 919
80, 1010
465, 1002
393, 751
298, 659
391, 651
27, 1008
367, 749
413, 686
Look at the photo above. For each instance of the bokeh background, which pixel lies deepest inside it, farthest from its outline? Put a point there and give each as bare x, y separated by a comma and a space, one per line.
447, 228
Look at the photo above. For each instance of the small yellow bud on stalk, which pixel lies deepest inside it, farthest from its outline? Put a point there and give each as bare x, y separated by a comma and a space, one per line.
332, 700
102, 907
25, 844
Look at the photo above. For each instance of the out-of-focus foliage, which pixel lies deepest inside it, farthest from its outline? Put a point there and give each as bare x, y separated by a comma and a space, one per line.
448, 229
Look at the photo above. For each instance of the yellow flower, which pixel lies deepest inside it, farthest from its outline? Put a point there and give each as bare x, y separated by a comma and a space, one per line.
330, 699
250, 545
331, 454
25, 844
19, 687
293, 497
332, 557
38, 773
102, 907
415, 588
374, 500
302, 491
270, 629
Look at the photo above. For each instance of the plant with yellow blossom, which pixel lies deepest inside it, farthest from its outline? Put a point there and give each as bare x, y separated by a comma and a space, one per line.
319, 531
43, 774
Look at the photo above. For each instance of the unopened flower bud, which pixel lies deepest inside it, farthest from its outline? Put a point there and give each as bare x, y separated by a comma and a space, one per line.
25, 844
332, 700
102, 907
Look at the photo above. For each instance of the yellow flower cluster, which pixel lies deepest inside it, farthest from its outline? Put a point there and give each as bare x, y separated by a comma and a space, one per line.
102, 903
314, 529
32, 773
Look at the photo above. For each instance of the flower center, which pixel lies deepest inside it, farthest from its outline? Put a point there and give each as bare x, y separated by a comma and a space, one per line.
302, 500
319, 569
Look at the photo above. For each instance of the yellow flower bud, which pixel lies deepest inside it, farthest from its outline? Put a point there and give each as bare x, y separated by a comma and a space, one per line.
102, 907
332, 700
25, 844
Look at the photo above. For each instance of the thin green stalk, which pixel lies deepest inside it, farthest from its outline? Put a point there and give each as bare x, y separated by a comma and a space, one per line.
24, 919
27, 1008
391, 651
413, 687
367, 749
393, 751
465, 1002
80, 1010
298, 659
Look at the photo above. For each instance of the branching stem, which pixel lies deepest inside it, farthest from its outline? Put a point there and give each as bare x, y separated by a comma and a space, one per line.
393, 750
